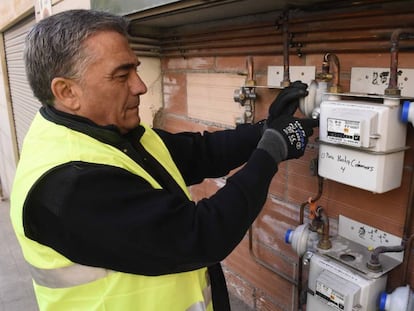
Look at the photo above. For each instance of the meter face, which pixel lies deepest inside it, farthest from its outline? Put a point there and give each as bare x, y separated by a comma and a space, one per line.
347, 132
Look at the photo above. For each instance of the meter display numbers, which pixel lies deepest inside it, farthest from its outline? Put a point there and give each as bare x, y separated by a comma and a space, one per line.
330, 296
346, 132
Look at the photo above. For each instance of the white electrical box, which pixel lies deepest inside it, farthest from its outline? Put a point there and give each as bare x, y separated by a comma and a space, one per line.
362, 143
332, 287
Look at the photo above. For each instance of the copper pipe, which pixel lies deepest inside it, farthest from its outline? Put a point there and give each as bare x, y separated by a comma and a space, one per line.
333, 63
250, 82
262, 38
324, 242
301, 217
266, 49
285, 38
392, 88
316, 198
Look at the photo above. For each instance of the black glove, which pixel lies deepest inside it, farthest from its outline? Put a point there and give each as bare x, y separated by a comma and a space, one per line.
287, 100
286, 137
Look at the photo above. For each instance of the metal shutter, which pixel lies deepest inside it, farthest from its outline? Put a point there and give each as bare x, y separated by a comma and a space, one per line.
24, 104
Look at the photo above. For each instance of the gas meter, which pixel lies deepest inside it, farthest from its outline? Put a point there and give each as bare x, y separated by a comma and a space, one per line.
362, 142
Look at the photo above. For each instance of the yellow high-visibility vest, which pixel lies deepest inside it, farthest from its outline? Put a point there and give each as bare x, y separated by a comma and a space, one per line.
62, 285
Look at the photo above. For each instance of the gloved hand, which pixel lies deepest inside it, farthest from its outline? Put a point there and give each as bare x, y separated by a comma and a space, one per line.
287, 101
286, 137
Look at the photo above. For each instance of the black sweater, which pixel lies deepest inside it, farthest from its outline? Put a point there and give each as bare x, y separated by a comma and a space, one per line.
104, 216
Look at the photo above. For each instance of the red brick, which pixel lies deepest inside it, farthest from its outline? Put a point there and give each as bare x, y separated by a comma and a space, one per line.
201, 63
232, 64
174, 63
239, 287
175, 93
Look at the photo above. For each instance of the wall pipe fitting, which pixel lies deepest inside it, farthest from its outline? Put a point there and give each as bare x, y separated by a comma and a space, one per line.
401, 299
246, 95
407, 112
324, 242
397, 34
374, 263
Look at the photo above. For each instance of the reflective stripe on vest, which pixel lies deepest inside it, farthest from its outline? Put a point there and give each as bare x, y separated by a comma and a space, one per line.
77, 274
69, 276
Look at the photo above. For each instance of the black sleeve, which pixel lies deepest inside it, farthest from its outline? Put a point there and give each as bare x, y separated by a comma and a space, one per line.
103, 216
211, 154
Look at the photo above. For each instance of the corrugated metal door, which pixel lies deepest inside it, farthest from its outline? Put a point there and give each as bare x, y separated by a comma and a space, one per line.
24, 104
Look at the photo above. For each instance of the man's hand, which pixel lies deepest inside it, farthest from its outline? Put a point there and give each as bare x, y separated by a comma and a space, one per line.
287, 100
286, 137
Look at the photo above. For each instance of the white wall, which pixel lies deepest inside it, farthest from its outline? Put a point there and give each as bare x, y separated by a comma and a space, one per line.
150, 73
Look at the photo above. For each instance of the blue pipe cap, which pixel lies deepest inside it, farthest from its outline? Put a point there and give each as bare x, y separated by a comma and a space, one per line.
404, 111
382, 301
288, 236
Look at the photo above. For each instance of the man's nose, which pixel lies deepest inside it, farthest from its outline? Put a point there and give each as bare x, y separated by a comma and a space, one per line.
136, 85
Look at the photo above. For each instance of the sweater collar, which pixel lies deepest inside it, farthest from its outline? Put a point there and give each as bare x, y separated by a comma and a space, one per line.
108, 134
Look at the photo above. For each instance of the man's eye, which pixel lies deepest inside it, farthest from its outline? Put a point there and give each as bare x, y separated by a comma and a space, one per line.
123, 76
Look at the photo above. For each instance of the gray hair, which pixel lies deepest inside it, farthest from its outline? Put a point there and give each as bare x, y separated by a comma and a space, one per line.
53, 47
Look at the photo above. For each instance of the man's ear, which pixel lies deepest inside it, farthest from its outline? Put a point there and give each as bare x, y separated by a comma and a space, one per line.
66, 93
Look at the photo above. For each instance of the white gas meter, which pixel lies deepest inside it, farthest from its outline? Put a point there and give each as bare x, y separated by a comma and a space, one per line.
334, 287
362, 142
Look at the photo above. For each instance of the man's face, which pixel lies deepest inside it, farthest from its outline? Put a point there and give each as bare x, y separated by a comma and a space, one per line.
110, 88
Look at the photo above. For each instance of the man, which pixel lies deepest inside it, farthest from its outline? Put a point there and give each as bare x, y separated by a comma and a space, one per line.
100, 202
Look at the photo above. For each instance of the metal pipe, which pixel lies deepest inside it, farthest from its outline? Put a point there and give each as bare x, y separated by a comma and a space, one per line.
265, 264
265, 49
324, 241
392, 88
250, 82
374, 263
406, 239
285, 38
406, 261
334, 70
301, 218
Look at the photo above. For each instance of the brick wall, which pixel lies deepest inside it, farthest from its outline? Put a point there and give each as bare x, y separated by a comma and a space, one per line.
250, 280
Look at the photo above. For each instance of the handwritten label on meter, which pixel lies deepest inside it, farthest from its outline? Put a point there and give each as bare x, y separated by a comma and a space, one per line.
347, 132
330, 296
